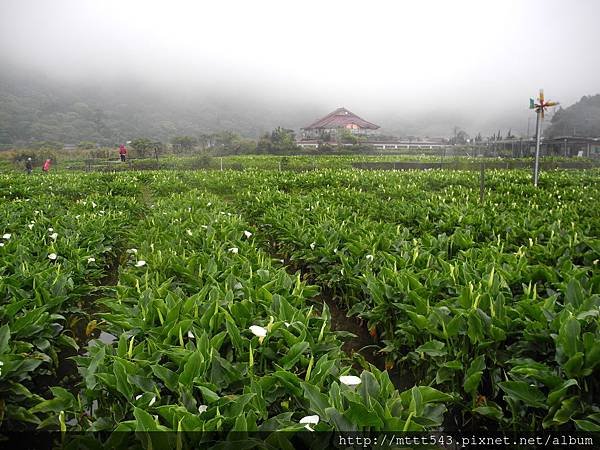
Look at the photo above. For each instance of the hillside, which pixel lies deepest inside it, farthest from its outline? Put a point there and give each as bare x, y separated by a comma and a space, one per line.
579, 119
41, 109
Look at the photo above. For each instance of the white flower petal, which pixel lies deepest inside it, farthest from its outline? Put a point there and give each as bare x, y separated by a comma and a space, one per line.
52, 256
137, 397
369, 257
234, 250
312, 245
6, 236
1, 244
54, 236
350, 380
189, 232
247, 234
152, 401
202, 408
50, 230
191, 335
140, 263
91, 260
313, 420
132, 250
258, 331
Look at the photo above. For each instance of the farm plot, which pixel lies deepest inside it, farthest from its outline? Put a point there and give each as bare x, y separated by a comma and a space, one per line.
495, 303
202, 329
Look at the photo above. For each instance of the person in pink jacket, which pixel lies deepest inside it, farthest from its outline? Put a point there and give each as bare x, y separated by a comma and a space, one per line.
46, 166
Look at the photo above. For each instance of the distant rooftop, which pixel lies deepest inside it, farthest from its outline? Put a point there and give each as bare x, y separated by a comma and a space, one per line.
340, 118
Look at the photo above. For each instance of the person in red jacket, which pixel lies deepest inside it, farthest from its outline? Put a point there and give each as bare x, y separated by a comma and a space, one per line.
46, 166
122, 152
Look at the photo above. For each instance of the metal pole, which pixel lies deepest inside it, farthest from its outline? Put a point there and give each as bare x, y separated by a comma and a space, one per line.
221, 163
536, 169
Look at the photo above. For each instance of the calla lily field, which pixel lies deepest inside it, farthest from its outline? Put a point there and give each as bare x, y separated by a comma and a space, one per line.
202, 301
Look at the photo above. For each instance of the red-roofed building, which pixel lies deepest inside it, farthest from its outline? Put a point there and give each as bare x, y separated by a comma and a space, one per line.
333, 124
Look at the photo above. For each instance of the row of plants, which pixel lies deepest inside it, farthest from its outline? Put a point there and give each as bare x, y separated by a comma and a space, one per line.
55, 251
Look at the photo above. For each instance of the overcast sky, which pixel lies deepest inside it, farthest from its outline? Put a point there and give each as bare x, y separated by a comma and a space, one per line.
476, 59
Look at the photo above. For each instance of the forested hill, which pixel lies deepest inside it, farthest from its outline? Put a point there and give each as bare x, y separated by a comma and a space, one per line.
40, 109
579, 119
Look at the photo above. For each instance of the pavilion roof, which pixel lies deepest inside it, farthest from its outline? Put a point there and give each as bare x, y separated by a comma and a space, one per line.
339, 119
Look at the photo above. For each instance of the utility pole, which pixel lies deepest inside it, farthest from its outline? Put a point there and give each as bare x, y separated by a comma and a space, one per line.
539, 109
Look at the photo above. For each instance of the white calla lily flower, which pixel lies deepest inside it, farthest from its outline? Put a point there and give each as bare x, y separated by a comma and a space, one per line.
54, 236
233, 250
140, 263
52, 256
152, 401
6, 236
137, 397
91, 260
259, 331
350, 380
247, 234
369, 257
202, 408
310, 420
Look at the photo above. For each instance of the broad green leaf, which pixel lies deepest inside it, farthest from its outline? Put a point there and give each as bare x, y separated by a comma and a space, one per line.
519, 390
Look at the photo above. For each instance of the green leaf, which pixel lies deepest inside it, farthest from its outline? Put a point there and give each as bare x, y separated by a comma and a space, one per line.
339, 422
317, 401
558, 392
586, 425
143, 420
432, 348
359, 415
473, 375
208, 395
123, 385
519, 390
493, 412
191, 369
4, 338
294, 354
568, 337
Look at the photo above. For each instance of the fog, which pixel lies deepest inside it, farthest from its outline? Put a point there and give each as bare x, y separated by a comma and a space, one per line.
405, 65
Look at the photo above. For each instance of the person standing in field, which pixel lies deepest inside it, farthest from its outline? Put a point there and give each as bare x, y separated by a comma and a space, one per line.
122, 152
29, 166
46, 166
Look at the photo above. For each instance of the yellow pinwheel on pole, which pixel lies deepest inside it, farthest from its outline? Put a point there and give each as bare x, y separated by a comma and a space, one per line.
540, 108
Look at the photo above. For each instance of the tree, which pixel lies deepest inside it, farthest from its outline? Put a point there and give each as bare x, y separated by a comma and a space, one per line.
184, 143
279, 141
141, 146
460, 136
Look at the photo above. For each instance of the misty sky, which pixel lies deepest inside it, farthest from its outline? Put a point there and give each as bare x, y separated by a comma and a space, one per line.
474, 59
